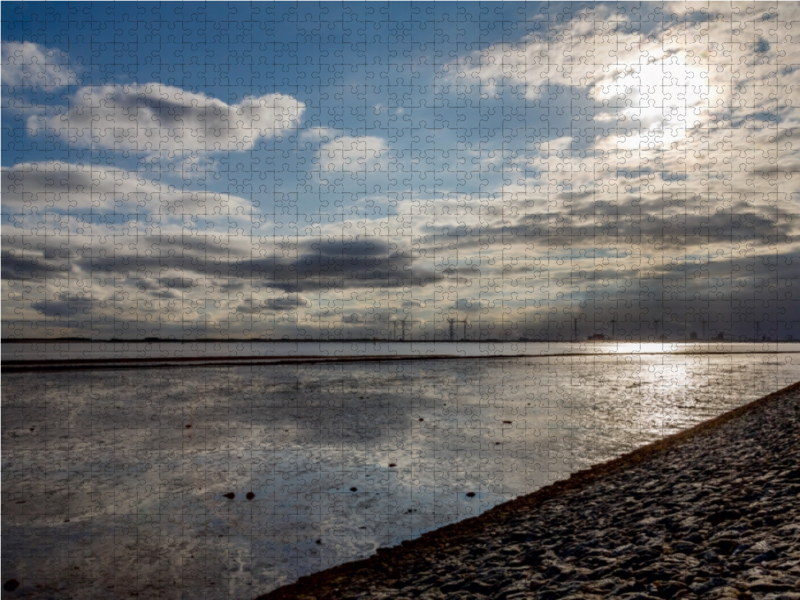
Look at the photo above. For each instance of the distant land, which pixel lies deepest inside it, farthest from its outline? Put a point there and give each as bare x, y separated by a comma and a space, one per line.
307, 340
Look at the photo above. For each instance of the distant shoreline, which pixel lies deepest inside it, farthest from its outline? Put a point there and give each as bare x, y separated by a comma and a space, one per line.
81, 340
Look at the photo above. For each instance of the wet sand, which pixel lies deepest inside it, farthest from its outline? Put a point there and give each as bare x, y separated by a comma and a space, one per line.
713, 512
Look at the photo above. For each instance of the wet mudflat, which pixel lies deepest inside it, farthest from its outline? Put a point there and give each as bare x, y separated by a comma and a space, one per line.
709, 513
232, 481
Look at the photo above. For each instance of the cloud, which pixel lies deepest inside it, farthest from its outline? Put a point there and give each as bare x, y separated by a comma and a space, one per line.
167, 283
659, 83
318, 266
64, 306
468, 306
31, 65
153, 117
104, 195
349, 153
25, 268
290, 302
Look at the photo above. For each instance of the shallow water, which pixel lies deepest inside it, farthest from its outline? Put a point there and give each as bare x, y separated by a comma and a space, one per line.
114, 482
151, 350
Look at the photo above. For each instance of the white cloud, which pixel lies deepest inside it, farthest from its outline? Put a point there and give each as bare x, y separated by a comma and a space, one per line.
348, 153
152, 118
32, 190
31, 65
663, 85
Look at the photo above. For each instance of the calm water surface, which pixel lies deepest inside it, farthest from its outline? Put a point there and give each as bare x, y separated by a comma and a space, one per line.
110, 350
114, 481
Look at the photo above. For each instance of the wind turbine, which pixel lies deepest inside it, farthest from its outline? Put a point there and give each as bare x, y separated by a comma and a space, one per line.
452, 323
403, 325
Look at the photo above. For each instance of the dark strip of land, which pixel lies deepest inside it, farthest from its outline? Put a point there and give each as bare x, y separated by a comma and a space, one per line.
24, 366
710, 512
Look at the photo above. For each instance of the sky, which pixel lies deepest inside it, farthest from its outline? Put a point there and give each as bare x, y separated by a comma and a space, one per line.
330, 170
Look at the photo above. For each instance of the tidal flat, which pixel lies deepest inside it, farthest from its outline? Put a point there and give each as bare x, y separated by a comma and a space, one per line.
232, 481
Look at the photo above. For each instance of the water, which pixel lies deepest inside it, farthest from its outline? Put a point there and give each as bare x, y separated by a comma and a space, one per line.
107, 491
153, 350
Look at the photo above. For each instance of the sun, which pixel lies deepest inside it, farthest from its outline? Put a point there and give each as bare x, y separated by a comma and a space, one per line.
660, 97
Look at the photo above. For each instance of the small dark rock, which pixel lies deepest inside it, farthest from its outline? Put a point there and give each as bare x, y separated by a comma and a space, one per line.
229, 495
767, 556
685, 548
722, 516
482, 587
392, 465
250, 495
532, 559
707, 586
793, 475
670, 589
630, 587
353, 489
767, 585
725, 546
452, 586
695, 538
11, 585
470, 494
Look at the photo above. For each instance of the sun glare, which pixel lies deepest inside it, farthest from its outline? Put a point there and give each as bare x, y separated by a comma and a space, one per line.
666, 97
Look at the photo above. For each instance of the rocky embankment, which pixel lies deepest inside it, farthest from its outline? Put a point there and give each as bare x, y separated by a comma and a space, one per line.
712, 512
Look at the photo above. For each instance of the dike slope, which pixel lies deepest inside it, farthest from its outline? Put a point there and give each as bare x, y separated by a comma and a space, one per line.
712, 512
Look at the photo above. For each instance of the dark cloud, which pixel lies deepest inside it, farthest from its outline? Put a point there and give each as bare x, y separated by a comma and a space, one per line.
13, 267
721, 295
651, 226
284, 304
358, 248
322, 266
64, 306
167, 283
232, 287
